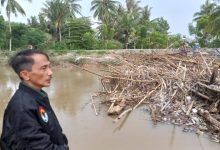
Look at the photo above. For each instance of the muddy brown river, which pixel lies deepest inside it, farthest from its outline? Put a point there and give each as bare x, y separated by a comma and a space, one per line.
70, 97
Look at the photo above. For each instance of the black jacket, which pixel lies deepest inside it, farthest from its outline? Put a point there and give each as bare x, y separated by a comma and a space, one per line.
30, 123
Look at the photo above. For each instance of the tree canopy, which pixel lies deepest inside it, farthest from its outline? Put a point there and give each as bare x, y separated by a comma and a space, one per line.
60, 25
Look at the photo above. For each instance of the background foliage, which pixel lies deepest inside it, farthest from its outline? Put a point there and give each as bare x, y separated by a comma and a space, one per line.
119, 27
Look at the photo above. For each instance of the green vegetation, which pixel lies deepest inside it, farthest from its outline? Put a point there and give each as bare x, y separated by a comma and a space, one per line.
205, 24
12, 7
120, 27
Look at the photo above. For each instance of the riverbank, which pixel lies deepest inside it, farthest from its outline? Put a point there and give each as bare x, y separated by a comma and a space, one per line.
64, 57
175, 89
96, 57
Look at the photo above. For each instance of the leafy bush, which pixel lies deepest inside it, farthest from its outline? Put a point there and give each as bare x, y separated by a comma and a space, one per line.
75, 30
34, 37
89, 41
112, 44
58, 46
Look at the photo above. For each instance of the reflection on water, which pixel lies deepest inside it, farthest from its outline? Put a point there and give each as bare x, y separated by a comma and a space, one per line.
8, 85
68, 88
70, 97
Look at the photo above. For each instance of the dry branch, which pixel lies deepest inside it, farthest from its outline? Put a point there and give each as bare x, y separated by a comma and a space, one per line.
148, 95
174, 87
215, 123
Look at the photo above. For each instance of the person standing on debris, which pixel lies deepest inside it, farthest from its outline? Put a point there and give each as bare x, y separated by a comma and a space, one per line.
29, 120
195, 49
183, 50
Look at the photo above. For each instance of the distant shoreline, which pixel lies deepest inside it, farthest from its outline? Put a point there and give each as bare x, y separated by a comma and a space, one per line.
94, 56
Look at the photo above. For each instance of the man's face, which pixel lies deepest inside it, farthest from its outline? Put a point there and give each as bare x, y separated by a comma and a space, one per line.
41, 73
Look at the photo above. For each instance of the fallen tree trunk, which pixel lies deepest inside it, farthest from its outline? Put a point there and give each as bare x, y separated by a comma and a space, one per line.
215, 123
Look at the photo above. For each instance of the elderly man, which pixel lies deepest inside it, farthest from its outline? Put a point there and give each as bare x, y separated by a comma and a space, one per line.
29, 121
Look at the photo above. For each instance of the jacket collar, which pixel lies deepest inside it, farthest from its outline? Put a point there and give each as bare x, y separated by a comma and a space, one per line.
38, 95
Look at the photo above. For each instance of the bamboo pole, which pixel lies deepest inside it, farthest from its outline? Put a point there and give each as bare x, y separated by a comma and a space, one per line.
94, 105
207, 66
148, 95
190, 108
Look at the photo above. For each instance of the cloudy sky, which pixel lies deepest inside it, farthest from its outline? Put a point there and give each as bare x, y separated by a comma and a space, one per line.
178, 13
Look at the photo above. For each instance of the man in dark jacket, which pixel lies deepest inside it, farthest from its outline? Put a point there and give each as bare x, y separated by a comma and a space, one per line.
29, 121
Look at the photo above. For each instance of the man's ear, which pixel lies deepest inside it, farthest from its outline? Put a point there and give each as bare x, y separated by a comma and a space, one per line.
24, 74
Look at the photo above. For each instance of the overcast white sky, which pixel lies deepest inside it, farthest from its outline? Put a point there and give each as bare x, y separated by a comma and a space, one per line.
178, 13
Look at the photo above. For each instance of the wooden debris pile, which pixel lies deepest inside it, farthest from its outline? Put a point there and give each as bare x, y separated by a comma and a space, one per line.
179, 90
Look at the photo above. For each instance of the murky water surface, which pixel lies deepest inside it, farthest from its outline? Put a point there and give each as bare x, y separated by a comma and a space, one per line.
70, 97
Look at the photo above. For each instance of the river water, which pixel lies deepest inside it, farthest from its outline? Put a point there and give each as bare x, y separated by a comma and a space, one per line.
70, 93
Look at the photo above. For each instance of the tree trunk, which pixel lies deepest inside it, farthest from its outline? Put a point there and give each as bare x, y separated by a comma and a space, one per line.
69, 37
142, 45
9, 20
60, 36
134, 45
126, 41
69, 32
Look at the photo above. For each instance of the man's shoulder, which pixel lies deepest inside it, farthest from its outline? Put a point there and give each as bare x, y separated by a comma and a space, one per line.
22, 101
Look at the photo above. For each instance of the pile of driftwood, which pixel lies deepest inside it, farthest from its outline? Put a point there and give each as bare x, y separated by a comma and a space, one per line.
179, 90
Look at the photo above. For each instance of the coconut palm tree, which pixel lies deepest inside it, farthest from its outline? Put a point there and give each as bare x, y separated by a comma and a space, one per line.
202, 18
206, 10
12, 7
145, 13
214, 21
207, 20
133, 7
74, 7
127, 24
204, 23
105, 32
57, 11
104, 9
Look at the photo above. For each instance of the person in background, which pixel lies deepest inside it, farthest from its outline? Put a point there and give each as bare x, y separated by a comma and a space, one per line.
195, 49
29, 121
183, 49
